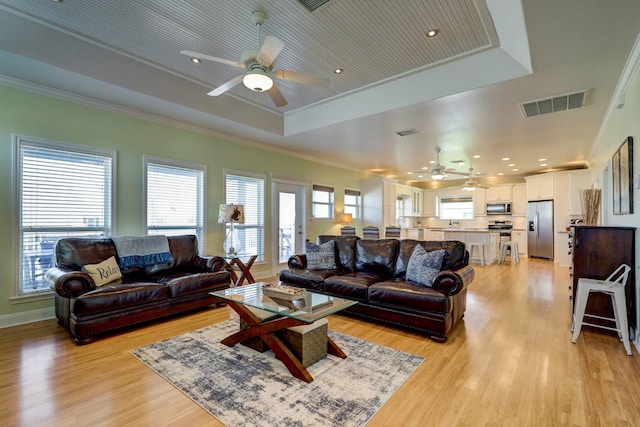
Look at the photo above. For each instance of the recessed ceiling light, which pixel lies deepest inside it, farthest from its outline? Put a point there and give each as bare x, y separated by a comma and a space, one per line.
542, 160
544, 164
425, 168
432, 161
506, 159
476, 156
338, 70
460, 163
515, 170
500, 174
432, 32
195, 60
511, 165
409, 173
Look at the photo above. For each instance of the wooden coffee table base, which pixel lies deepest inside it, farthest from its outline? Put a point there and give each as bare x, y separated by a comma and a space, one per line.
266, 331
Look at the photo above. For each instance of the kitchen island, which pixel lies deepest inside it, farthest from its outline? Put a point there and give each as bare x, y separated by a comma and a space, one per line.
490, 238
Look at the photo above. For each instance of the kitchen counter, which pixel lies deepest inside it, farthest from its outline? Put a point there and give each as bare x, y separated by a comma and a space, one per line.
466, 230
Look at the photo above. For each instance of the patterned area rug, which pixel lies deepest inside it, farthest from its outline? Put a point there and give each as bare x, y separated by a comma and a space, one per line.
242, 387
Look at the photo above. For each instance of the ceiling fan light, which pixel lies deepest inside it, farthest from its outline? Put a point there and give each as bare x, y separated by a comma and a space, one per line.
438, 176
257, 81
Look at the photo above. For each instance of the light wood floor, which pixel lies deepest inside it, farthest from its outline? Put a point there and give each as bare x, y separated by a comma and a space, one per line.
510, 362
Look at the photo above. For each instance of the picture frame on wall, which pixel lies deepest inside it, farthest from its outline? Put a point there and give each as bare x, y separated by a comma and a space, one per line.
622, 177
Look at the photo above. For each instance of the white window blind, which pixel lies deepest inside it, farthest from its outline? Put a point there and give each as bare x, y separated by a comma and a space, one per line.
352, 202
247, 190
460, 207
175, 199
64, 190
322, 201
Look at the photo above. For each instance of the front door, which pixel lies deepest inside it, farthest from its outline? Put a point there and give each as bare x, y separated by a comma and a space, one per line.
289, 218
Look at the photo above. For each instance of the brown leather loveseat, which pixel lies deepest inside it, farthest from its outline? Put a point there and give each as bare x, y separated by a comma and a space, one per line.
373, 272
141, 295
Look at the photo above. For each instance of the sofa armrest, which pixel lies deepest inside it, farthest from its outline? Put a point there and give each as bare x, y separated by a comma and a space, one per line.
298, 261
453, 281
209, 263
69, 283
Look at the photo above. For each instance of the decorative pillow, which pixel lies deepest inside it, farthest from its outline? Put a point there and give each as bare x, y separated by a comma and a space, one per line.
321, 257
105, 272
424, 266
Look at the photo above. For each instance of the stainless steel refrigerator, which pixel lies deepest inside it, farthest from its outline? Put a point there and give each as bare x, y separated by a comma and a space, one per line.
540, 229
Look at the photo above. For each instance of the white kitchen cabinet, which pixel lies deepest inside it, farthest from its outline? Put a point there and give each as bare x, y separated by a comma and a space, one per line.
490, 240
479, 202
416, 201
403, 190
499, 193
520, 237
540, 187
378, 202
389, 208
429, 203
433, 235
519, 204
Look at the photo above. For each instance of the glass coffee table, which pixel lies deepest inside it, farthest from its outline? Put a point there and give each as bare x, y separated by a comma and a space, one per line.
303, 309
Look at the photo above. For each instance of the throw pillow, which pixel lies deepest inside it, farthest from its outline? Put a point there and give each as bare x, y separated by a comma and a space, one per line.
105, 272
321, 257
424, 266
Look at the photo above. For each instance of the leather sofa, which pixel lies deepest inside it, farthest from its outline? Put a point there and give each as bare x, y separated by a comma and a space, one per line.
372, 272
143, 294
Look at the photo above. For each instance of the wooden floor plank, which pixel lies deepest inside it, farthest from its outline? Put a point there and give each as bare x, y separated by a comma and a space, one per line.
509, 362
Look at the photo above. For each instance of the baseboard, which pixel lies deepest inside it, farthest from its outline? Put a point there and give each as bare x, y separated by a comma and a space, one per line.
9, 320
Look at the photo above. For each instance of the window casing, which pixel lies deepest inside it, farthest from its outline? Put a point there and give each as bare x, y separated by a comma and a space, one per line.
243, 188
62, 190
322, 202
459, 207
175, 198
353, 202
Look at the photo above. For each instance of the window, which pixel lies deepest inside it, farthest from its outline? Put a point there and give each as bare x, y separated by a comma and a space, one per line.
248, 190
63, 190
352, 202
322, 201
460, 207
175, 198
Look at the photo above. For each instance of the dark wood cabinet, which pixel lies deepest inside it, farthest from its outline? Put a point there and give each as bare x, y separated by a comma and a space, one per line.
597, 252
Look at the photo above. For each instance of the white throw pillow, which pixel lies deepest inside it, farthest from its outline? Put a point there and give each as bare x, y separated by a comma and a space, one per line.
105, 272
424, 266
321, 257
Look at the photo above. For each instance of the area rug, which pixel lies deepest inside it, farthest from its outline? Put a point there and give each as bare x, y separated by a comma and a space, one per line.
242, 387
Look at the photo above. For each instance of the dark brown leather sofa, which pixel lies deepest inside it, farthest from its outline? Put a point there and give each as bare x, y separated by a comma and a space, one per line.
372, 272
144, 294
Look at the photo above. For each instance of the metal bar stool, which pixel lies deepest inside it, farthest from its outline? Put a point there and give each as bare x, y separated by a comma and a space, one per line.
612, 286
513, 250
481, 250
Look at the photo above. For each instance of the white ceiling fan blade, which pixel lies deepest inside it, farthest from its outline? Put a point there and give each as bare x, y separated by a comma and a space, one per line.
307, 79
276, 96
211, 58
269, 50
226, 86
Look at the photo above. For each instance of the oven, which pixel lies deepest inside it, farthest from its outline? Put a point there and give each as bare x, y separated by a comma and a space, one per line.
504, 227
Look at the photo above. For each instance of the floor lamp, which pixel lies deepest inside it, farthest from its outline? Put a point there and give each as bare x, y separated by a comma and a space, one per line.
231, 214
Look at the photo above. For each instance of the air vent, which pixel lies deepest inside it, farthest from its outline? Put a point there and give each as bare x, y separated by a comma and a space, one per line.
406, 132
567, 101
312, 5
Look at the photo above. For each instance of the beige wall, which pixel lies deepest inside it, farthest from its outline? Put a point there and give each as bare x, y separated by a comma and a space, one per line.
40, 116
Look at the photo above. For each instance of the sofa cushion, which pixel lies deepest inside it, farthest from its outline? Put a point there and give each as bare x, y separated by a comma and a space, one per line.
453, 260
411, 296
351, 285
112, 297
424, 266
376, 256
190, 283
322, 256
105, 272
311, 279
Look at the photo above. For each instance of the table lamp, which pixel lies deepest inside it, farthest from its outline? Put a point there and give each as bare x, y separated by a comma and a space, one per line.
231, 214
347, 219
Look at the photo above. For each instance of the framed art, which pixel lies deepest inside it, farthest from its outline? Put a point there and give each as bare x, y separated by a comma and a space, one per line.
622, 177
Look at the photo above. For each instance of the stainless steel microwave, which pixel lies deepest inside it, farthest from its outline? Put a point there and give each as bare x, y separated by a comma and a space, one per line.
498, 208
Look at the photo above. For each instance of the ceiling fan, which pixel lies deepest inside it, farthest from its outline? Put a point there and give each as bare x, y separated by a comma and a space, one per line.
439, 172
258, 64
471, 184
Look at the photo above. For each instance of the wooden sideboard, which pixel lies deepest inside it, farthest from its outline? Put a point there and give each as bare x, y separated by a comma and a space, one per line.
597, 252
